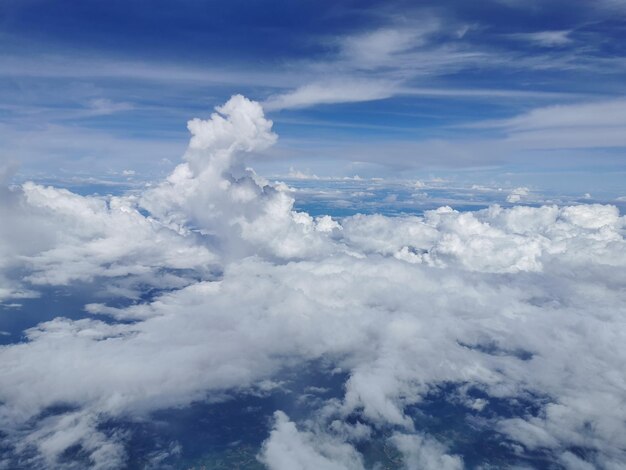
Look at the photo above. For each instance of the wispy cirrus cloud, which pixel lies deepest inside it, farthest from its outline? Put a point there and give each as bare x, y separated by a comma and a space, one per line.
598, 124
545, 38
460, 59
337, 90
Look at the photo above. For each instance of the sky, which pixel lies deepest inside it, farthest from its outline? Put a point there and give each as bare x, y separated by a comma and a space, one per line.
312, 236
500, 92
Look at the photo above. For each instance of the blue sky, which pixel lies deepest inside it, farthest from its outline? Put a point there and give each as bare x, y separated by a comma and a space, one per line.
496, 92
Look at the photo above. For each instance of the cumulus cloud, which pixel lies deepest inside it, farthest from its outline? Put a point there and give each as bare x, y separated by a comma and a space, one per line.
214, 191
81, 238
287, 448
517, 194
517, 302
425, 453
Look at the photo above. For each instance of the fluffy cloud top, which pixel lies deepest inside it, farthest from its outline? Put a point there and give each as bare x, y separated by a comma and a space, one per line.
512, 302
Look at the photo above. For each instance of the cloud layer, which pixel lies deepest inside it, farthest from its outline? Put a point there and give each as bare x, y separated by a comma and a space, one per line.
524, 303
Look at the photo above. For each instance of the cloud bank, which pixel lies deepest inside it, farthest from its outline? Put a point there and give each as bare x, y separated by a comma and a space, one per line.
519, 304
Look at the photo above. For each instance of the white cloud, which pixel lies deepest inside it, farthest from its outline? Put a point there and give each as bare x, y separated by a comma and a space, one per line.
422, 453
381, 47
238, 125
290, 449
100, 106
215, 192
56, 433
601, 114
545, 38
597, 124
517, 194
80, 238
546, 133
401, 305
385, 62
301, 175
339, 90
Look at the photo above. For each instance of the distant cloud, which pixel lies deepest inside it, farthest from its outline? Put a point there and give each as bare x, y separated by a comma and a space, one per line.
545, 38
605, 114
380, 48
106, 106
297, 174
517, 195
581, 125
345, 90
